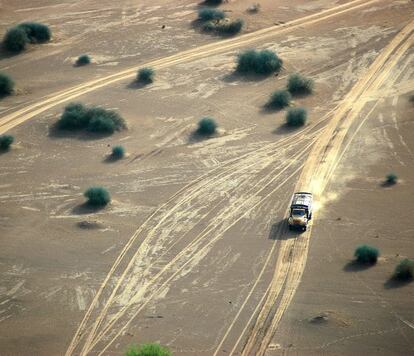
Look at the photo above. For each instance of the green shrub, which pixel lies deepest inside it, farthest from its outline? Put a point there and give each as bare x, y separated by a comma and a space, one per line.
118, 152
5, 142
296, 117
148, 350
15, 40
36, 32
82, 60
97, 196
207, 14
206, 126
404, 270
298, 84
94, 119
391, 179
229, 27
145, 75
366, 254
279, 99
213, 2
262, 62
6, 85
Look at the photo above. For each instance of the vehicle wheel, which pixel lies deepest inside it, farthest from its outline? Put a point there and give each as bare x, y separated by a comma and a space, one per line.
310, 216
304, 228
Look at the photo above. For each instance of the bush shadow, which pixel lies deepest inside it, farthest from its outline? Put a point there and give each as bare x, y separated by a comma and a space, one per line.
285, 129
236, 77
110, 158
355, 266
4, 53
387, 184
136, 84
195, 137
56, 133
394, 282
85, 209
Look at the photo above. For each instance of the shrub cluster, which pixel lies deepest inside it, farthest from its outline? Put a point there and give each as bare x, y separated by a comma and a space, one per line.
262, 62
76, 116
83, 59
97, 196
6, 85
404, 270
207, 14
229, 27
296, 117
279, 99
299, 85
206, 126
148, 350
145, 75
5, 142
16, 39
366, 254
118, 152
391, 179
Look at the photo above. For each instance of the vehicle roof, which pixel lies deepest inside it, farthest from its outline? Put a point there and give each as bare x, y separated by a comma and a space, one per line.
302, 199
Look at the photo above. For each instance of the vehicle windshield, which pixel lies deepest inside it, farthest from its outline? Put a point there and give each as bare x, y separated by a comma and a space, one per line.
298, 212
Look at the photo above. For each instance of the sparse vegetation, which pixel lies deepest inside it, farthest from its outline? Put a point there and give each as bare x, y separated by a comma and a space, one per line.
5, 142
76, 116
6, 85
366, 254
391, 179
145, 75
404, 270
296, 117
118, 152
97, 196
16, 38
83, 59
299, 85
262, 62
279, 99
148, 350
206, 126
207, 14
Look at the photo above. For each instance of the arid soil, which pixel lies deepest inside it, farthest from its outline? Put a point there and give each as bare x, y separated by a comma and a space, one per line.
194, 251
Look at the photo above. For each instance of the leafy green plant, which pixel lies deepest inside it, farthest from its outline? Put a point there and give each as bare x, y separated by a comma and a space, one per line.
148, 350
118, 152
365, 254
97, 196
391, 179
5, 142
83, 59
206, 126
207, 14
279, 99
145, 75
296, 117
298, 84
36, 32
262, 62
6, 85
76, 116
15, 40
404, 270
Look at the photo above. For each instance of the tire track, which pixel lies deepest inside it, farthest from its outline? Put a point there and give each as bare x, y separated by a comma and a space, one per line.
12, 120
318, 169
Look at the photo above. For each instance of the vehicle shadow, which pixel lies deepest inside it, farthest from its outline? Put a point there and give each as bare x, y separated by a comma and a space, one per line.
355, 266
280, 231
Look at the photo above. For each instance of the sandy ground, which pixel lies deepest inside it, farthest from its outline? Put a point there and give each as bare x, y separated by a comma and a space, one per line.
193, 251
